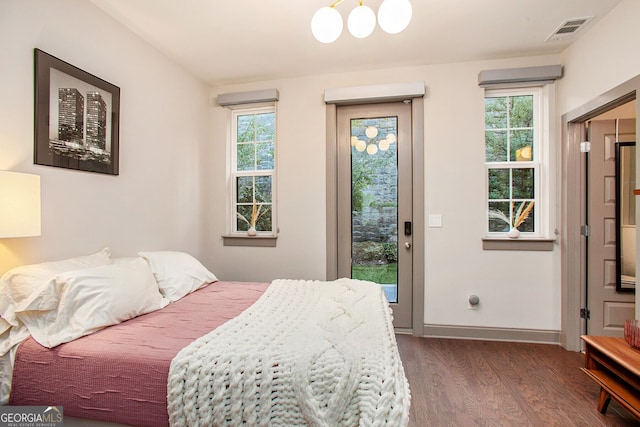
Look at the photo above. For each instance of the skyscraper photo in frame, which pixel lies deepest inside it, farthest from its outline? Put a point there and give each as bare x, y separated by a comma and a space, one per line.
76, 117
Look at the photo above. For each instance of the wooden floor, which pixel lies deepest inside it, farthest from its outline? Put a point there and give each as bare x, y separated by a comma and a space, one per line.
479, 383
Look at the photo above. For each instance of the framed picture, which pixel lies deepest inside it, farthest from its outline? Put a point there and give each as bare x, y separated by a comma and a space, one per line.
625, 217
76, 117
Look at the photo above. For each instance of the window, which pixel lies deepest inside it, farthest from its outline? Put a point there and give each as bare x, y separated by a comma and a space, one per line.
513, 155
253, 147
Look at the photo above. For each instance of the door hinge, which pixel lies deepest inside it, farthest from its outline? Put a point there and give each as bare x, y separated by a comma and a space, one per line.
585, 230
585, 147
585, 313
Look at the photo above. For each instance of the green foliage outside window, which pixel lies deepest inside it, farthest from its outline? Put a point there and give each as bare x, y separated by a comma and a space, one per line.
509, 142
508, 127
250, 188
255, 152
255, 142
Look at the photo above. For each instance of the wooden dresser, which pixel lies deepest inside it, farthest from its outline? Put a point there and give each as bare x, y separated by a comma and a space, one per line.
615, 366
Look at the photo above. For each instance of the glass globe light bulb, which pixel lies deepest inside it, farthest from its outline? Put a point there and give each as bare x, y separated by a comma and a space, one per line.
354, 141
326, 25
384, 145
361, 145
391, 138
372, 149
394, 15
361, 21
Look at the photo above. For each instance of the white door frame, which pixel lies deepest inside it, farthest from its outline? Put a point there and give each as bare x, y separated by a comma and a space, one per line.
417, 113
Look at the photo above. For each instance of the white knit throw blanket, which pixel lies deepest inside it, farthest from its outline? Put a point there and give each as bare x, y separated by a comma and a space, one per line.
305, 354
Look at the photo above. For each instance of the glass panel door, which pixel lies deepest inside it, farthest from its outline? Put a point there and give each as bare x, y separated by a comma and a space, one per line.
375, 200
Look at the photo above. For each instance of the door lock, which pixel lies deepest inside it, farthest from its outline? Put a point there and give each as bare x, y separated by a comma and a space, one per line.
407, 228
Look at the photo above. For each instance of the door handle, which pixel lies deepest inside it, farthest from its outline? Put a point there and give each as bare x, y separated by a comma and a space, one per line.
407, 245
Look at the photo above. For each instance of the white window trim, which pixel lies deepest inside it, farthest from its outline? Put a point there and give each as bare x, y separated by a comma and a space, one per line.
544, 194
232, 174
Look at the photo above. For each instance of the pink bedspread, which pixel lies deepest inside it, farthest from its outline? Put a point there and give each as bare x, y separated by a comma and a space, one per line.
119, 374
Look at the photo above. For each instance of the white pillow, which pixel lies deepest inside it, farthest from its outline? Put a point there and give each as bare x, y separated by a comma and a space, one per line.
4, 326
12, 336
122, 259
17, 284
77, 303
177, 273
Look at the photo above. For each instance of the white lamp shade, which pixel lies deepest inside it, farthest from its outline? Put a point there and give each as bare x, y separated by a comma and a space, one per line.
19, 204
361, 22
394, 15
326, 25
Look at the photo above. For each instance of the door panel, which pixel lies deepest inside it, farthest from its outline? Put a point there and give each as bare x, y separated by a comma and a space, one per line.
615, 313
608, 308
375, 200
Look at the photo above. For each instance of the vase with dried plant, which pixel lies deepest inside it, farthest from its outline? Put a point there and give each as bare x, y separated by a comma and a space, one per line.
256, 213
523, 212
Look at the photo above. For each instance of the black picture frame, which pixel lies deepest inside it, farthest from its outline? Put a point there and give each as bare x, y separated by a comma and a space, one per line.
77, 117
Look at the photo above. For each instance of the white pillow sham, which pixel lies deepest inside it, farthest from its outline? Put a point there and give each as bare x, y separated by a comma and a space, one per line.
177, 273
77, 303
19, 283
12, 336
4, 326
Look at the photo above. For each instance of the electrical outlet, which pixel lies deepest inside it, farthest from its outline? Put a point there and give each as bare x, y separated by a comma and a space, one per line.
474, 302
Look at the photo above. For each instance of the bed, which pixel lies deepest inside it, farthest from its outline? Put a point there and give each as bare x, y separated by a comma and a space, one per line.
212, 352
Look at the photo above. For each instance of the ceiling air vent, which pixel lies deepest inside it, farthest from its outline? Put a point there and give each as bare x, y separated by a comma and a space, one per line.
569, 28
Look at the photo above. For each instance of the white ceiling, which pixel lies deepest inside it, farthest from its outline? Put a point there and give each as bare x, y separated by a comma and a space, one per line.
229, 41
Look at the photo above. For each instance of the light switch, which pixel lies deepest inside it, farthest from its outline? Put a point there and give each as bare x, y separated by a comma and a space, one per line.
435, 220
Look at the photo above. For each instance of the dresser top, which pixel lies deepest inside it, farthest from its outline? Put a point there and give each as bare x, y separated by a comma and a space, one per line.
617, 349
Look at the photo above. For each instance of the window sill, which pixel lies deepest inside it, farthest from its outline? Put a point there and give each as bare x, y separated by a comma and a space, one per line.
256, 241
521, 244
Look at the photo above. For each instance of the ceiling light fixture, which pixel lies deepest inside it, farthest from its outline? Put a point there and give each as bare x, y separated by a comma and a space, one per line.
326, 24
393, 17
362, 21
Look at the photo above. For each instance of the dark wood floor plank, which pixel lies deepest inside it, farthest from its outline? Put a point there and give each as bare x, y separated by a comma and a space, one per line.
481, 383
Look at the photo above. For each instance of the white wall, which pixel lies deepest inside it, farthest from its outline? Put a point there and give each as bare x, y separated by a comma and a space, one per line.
603, 58
156, 201
516, 289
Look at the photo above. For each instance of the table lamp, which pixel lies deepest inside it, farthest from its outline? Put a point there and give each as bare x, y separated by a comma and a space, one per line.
19, 204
